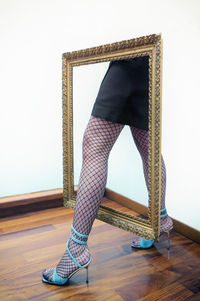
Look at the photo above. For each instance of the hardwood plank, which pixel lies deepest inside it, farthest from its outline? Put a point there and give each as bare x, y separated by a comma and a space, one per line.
117, 272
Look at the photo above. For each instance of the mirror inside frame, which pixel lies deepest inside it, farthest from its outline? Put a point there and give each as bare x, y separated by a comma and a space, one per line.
131, 198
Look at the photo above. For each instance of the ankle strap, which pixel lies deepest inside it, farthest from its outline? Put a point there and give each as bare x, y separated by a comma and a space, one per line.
77, 240
77, 233
163, 215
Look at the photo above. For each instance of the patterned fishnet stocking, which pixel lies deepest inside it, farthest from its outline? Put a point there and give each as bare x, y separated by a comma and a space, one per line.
99, 138
141, 138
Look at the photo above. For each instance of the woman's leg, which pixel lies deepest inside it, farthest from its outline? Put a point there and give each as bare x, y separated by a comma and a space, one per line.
99, 138
141, 138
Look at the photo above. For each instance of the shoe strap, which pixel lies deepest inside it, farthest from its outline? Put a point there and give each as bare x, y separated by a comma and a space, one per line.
77, 240
74, 260
163, 215
79, 234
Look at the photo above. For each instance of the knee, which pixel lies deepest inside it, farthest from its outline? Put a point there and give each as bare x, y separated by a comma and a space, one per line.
86, 145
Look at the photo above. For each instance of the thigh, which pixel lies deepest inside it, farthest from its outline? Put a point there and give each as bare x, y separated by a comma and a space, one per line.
101, 134
141, 138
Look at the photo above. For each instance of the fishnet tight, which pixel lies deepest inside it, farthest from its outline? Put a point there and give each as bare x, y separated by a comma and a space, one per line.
99, 138
141, 138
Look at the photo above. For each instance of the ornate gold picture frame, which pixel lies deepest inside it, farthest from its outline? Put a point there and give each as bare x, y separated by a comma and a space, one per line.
151, 45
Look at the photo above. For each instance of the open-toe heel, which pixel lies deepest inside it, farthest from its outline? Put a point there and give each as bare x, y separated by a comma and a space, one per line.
146, 244
58, 280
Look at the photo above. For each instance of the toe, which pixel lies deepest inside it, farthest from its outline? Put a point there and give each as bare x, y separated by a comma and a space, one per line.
45, 277
47, 273
135, 244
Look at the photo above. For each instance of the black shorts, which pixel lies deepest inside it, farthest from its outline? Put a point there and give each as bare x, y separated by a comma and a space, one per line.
124, 93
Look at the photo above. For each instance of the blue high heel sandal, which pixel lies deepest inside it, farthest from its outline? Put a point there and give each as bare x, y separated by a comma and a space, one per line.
146, 244
58, 280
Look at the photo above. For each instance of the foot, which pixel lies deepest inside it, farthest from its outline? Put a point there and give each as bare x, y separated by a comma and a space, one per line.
166, 224
66, 265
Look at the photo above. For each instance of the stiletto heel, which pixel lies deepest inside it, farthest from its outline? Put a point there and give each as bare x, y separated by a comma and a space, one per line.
146, 244
168, 236
87, 274
58, 280
168, 240
168, 246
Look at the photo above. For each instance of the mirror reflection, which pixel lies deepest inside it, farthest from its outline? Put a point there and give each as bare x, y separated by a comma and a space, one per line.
110, 117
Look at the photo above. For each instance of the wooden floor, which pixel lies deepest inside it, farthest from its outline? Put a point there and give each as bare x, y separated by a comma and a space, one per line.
34, 241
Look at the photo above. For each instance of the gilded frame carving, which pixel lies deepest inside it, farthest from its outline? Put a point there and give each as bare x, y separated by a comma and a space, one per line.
151, 45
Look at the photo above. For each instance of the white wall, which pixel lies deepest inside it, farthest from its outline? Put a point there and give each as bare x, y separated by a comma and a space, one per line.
33, 36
